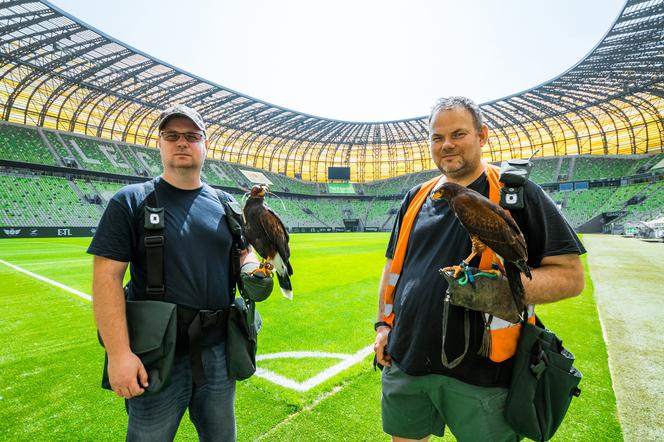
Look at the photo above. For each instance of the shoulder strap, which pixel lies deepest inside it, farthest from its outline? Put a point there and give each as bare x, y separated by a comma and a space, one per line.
153, 224
493, 176
402, 244
235, 223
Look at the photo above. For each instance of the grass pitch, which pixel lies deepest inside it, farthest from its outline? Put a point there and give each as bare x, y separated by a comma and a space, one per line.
50, 361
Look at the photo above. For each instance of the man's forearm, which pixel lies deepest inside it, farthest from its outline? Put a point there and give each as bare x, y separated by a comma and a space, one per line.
558, 277
381, 290
248, 255
108, 304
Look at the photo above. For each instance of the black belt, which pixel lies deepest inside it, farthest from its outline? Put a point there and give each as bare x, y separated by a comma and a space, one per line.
204, 328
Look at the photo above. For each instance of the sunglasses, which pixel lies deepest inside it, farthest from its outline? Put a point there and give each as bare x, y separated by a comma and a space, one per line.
191, 137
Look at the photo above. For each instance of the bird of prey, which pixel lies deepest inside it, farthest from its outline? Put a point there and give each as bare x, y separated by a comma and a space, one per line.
267, 234
489, 225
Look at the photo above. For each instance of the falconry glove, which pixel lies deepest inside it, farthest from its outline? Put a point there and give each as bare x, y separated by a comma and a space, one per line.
483, 291
257, 285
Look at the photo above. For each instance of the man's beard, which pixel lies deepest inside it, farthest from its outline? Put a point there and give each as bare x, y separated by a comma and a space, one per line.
179, 165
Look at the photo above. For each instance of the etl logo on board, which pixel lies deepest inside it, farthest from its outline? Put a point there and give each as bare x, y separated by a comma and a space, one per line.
64, 232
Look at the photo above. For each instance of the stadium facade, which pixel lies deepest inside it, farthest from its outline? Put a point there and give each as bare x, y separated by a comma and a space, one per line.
77, 109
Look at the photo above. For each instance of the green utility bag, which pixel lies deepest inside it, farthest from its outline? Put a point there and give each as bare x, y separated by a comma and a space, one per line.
241, 339
543, 383
152, 327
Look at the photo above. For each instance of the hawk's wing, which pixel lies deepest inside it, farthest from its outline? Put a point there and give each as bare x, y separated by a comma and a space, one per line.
275, 232
491, 224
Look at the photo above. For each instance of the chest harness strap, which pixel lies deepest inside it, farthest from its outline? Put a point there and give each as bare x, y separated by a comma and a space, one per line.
200, 328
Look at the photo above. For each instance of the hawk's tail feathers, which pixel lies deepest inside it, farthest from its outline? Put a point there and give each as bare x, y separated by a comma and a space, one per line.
513, 274
283, 269
285, 286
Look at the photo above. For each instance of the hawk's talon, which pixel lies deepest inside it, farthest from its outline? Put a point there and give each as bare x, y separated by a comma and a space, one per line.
455, 269
264, 270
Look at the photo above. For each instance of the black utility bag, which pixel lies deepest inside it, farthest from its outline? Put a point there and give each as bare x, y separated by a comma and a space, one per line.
243, 319
241, 340
151, 323
543, 383
152, 334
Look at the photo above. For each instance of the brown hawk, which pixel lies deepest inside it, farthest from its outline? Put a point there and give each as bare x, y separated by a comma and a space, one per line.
489, 225
267, 234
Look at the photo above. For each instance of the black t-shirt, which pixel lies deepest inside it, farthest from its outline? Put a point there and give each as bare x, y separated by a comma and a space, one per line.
437, 240
197, 244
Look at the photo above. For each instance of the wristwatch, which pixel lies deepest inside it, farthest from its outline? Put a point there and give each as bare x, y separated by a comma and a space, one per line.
381, 324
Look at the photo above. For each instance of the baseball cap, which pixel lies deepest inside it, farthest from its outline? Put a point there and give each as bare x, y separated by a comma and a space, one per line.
181, 111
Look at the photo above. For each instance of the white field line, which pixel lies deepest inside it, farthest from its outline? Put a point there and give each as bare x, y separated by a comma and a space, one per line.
300, 355
305, 409
347, 361
48, 281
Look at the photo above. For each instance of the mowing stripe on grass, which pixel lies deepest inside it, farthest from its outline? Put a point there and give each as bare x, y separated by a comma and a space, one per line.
51, 263
48, 281
347, 361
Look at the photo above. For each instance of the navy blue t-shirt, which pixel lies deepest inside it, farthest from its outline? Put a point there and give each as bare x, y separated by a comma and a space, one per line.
437, 240
197, 247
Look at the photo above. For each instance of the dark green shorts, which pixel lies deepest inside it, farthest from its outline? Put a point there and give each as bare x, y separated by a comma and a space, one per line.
414, 407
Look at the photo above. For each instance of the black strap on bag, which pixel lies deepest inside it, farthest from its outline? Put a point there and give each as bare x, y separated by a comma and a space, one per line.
204, 328
243, 320
153, 240
151, 322
466, 331
235, 222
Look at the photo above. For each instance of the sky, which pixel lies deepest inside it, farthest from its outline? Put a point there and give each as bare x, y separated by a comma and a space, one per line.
359, 60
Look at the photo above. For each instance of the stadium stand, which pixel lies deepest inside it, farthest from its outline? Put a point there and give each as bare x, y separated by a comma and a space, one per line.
622, 194
291, 185
63, 154
372, 207
214, 173
593, 168
648, 204
33, 200
582, 205
93, 154
18, 143
381, 212
544, 169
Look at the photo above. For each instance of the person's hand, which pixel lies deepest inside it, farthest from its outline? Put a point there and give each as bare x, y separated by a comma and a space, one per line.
125, 371
380, 343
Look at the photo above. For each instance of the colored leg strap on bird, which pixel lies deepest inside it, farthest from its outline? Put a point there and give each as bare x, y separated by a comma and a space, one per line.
469, 276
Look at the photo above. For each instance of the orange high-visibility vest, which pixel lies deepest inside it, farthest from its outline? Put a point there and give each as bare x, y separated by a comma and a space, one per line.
504, 334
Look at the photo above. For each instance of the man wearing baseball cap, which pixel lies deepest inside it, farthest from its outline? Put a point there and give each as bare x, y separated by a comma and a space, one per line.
197, 250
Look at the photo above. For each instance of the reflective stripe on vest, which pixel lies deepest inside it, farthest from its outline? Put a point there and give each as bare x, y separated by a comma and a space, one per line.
400, 249
504, 334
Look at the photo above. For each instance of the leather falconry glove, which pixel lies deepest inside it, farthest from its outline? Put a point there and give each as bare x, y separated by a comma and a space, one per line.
257, 286
483, 291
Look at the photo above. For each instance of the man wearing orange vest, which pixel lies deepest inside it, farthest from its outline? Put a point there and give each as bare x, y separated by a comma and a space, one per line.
422, 392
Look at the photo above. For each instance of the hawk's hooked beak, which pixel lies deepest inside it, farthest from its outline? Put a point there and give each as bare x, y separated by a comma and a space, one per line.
438, 191
437, 195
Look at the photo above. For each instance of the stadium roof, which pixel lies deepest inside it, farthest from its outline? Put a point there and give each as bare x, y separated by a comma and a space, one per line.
58, 72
